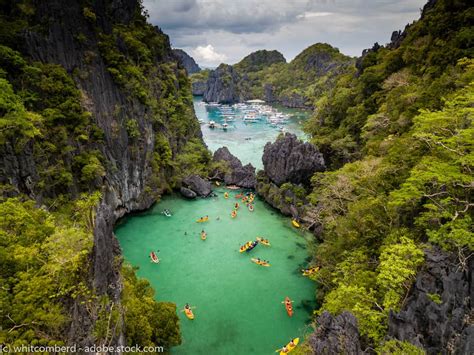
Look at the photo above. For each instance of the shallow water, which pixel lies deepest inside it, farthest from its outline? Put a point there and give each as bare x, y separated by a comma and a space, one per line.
236, 136
238, 303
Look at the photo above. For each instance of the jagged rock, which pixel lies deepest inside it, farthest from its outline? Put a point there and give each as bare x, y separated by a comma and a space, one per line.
336, 335
222, 85
197, 184
187, 193
243, 176
291, 160
186, 61
438, 315
199, 88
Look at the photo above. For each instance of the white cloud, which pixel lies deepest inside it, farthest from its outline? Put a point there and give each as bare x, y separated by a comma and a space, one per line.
208, 55
309, 14
238, 28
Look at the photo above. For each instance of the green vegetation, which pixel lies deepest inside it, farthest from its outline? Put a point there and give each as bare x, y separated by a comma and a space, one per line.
396, 347
399, 138
43, 259
259, 60
200, 76
300, 82
46, 252
147, 322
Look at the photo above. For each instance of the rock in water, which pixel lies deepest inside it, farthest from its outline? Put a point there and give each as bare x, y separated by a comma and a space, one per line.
243, 176
186, 61
291, 160
197, 184
438, 312
336, 335
185, 192
222, 85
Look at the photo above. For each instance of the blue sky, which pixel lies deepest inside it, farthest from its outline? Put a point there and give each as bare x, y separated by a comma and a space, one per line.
216, 31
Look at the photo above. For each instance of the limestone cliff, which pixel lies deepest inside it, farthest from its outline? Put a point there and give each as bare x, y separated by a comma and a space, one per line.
139, 106
186, 61
289, 165
438, 313
266, 75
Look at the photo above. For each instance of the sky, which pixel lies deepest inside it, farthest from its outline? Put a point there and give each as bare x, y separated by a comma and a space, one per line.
225, 31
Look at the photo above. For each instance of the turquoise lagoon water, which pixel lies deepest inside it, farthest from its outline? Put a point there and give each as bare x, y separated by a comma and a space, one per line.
236, 137
238, 303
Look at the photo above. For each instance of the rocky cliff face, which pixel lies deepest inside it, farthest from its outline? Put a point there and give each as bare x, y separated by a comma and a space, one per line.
72, 37
266, 75
289, 165
336, 335
199, 88
438, 315
222, 86
290, 160
186, 61
235, 173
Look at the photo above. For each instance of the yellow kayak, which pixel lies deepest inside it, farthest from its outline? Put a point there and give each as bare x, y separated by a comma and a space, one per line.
189, 313
260, 262
226, 195
295, 224
202, 219
245, 246
289, 347
263, 241
310, 271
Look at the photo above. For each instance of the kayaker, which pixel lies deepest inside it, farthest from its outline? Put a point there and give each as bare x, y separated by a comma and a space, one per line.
284, 349
186, 306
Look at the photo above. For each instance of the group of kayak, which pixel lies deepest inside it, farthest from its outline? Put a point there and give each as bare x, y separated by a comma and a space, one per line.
188, 311
251, 245
247, 199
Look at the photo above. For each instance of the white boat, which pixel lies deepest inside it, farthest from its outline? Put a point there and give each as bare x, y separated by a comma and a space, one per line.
212, 124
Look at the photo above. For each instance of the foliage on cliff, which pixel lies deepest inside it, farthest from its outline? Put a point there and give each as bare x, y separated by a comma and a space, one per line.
56, 156
406, 123
266, 75
310, 74
43, 264
392, 84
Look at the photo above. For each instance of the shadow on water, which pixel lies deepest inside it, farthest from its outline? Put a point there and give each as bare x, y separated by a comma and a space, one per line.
291, 257
308, 305
301, 245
